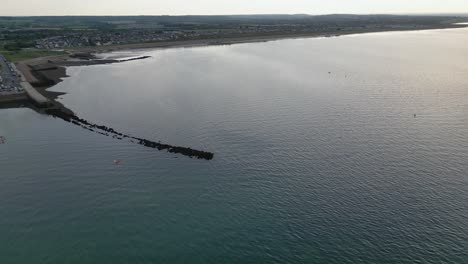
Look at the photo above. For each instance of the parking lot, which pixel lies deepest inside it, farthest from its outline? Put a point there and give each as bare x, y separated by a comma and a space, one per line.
9, 81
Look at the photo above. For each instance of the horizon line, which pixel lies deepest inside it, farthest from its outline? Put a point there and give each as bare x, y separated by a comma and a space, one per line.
250, 14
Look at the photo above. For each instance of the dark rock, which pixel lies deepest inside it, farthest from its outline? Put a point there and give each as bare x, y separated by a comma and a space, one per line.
107, 131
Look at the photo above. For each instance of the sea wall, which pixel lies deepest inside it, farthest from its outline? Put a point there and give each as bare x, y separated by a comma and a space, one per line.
35, 96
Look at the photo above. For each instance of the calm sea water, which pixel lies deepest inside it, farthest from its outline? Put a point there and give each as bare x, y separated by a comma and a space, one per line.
319, 157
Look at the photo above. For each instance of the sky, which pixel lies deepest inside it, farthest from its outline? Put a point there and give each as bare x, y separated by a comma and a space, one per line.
213, 7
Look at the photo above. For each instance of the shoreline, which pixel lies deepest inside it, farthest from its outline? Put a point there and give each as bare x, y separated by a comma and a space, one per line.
46, 72
43, 73
250, 39
43, 102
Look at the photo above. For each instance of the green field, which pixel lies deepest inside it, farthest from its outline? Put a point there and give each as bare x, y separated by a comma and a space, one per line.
21, 55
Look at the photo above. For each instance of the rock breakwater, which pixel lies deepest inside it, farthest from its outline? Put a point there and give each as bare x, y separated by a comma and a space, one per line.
108, 131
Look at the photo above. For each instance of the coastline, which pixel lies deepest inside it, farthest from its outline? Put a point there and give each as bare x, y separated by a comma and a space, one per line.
252, 39
39, 74
46, 72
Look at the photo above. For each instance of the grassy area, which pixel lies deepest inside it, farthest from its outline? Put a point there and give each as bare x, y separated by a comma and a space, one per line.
21, 55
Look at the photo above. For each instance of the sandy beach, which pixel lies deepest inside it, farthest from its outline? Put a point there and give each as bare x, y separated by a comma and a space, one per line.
252, 39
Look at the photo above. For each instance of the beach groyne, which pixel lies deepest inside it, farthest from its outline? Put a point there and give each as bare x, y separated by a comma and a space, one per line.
107, 131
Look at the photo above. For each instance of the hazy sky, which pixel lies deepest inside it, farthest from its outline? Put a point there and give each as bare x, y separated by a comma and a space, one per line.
209, 7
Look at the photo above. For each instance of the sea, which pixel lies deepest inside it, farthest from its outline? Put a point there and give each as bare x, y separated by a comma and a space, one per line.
350, 149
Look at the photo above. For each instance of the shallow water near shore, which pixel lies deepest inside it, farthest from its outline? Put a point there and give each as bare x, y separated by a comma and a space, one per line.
329, 150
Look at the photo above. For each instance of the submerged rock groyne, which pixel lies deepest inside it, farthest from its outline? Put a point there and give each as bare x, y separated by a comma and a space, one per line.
46, 73
107, 131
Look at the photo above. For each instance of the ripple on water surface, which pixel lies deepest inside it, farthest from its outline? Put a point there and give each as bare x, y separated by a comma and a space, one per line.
319, 157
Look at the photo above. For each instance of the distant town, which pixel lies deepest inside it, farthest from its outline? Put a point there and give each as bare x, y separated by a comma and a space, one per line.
28, 37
